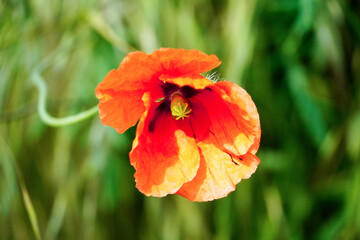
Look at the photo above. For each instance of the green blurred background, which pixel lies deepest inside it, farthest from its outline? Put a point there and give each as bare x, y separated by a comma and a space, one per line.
299, 60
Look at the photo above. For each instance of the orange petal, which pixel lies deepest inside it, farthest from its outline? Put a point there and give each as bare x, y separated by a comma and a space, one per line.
243, 109
218, 173
120, 93
227, 114
181, 61
165, 157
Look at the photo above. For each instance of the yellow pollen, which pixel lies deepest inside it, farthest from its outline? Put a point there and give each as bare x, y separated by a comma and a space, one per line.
179, 106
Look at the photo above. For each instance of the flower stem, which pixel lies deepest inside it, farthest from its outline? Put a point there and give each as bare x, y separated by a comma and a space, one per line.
45, 116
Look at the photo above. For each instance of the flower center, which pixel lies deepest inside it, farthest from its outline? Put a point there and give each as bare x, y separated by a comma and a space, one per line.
179, 106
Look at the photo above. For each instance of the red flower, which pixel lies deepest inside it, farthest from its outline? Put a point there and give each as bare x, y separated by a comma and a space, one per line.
195, 138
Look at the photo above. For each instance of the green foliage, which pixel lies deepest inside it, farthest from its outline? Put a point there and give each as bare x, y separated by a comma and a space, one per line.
299, 60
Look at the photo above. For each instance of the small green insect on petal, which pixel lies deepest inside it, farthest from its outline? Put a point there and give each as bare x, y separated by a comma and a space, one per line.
160, 99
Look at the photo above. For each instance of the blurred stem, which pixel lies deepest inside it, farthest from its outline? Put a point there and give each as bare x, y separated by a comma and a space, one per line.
100, 25
29, 206
25, 194
45, 116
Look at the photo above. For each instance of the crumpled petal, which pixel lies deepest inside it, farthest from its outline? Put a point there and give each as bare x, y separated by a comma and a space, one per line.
243, 109
164, 158
218, 173
226, 126
180, 61
120, 93
228, 114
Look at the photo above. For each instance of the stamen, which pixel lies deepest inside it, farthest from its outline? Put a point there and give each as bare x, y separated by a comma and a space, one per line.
179, 106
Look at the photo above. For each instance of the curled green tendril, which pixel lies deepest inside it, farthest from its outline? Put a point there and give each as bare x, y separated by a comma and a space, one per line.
45, 116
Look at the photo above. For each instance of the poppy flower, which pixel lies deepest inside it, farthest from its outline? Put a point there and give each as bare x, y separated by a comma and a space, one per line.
195, 138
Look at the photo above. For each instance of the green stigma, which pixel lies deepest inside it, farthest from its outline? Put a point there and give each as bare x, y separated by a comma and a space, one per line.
179, 106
